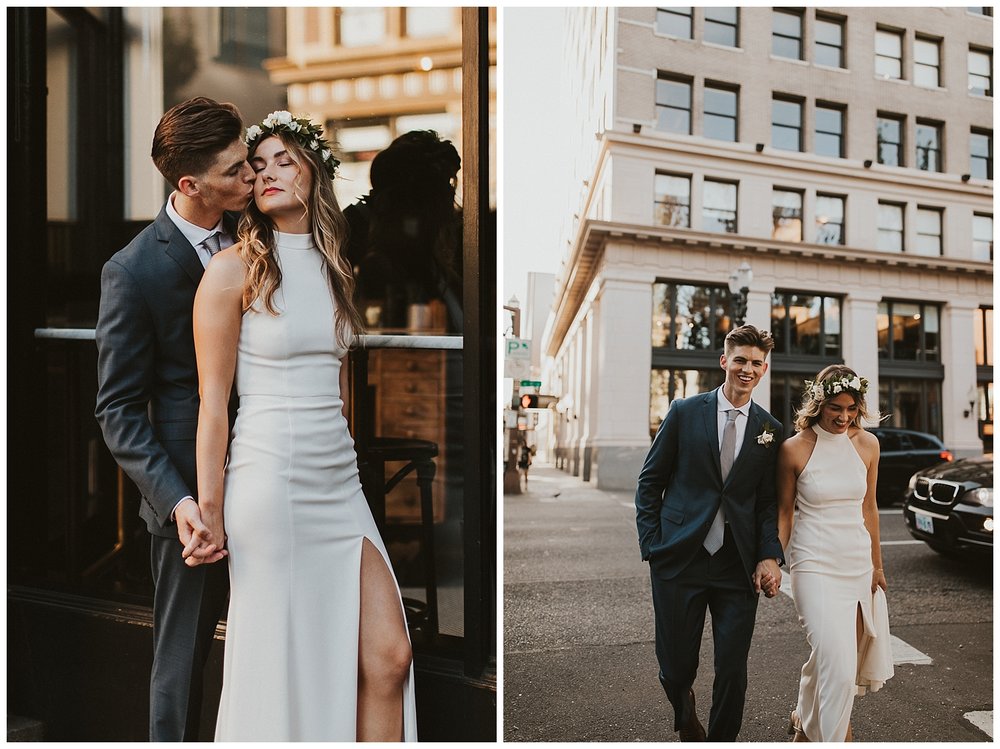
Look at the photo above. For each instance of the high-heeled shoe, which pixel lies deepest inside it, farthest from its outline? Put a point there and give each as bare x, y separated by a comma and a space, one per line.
795, 727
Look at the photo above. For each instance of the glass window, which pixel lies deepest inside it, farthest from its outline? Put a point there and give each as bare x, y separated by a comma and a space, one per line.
981, 11
928, 137
786, 124
888, 54
908, 331
805, 324
673, 200
911, 404
829, 219
673, 105
718, 211
981, 154
690, 318
927, 62
980, 72
787, 215
983, 336
928, 240
982, 237
889, 134
427, 22
360, 26
722, 26
890, 227
829, 48
666, 385
786, 33
829, 131
674, 21
721, 107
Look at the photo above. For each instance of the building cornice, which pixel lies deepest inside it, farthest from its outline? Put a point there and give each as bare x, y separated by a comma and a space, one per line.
593, 236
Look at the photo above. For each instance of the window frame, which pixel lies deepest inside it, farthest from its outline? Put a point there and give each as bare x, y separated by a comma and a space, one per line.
881, 230
662, 75
898, 36
657, 202
840, 109
798, 102
900, 120
925, 210
735, 117
840, 23
921, 359
988, 54
975, 239
673, 12
800, 194
842, 239
935, 44
938, 150
975, 158
799, 40
736, 204
706, 20
785, 334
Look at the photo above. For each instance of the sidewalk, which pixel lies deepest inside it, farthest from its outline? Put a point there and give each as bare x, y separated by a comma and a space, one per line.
579, 662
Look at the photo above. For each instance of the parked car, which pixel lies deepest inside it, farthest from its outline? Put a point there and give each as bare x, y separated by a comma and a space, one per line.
903, 452
950, 506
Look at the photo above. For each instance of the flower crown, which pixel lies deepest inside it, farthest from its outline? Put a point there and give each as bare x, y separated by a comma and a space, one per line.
832, 386
306, 133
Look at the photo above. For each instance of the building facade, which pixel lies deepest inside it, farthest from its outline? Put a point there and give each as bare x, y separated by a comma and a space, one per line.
844, 155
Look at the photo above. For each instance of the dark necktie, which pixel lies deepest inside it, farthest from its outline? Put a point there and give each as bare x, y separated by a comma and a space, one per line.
727, 456
213, 243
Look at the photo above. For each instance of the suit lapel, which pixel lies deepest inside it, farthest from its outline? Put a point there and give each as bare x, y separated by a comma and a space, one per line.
178, 248
749, 437
711, 414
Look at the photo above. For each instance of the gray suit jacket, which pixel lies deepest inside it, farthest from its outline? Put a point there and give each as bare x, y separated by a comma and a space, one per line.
147, 398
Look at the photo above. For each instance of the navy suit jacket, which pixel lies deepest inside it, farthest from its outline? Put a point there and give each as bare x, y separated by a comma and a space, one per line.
147, 398
680, 488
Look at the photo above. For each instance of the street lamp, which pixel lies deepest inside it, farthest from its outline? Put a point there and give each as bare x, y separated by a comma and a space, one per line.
514, 307
739, 287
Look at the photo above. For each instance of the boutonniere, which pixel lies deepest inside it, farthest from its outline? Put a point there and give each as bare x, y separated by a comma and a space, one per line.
766, 437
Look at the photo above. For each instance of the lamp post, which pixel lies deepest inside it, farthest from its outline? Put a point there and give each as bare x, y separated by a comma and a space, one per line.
739, 288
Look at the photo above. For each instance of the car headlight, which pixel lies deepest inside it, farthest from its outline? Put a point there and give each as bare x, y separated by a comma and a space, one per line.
981, 496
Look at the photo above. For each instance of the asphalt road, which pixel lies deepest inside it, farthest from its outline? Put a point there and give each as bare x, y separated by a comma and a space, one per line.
578, 660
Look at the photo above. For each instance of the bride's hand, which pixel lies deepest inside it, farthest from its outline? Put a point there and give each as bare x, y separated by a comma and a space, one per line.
878, 580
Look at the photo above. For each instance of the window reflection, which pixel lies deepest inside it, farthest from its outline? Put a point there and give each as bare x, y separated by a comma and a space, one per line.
909, 331
667, 385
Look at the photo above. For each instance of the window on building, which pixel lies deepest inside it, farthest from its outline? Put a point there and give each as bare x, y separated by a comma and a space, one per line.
673, 200
690, 318
674, 21
928, 241
982, 236
425, 22
983, 336
786, 124
829, 139
673, 104
361, 26
829, 219
668, 384
981, 154
888, 53
722, 26
721, 112
988, 11
829, 49
908, 331
927, 62
980, 72
243, 36
718, 207
889, 134
786, 212
786, 33
890, 227
805, 324
910, 403
928, 136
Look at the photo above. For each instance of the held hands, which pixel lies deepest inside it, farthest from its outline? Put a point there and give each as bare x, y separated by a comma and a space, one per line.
767, 578
200, 535
878, 580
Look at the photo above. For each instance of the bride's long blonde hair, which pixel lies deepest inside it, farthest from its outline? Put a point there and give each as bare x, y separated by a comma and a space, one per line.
329, 233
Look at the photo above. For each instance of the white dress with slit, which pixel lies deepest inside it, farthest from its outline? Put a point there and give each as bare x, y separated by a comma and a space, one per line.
296, 520
830, 561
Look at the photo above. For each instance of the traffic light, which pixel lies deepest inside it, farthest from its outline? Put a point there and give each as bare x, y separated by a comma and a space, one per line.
529, 400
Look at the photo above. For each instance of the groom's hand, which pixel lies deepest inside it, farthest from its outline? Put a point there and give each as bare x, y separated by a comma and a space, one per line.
767, 577
200, 546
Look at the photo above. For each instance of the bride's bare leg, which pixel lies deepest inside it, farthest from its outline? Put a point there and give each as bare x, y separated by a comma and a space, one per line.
383, 652
859, 630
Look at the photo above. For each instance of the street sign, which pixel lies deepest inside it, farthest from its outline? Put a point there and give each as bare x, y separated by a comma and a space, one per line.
531, 383
518, 348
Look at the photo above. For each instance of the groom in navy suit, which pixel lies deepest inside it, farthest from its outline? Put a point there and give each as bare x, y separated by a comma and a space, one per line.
707, 518
147, 398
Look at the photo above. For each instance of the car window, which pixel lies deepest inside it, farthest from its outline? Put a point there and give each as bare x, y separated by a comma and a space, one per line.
888, 441
904, 442
920, 442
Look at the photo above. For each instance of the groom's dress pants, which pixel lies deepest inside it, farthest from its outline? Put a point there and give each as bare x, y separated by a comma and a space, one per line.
188, 603
719, 584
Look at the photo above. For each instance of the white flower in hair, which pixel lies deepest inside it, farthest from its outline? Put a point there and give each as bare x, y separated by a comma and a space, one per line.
283, 117
326, 154
817, 391
837, 388
294, 126
314, 144
855, 384
253, 132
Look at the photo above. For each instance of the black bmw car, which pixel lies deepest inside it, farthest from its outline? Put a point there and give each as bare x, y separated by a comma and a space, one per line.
950, 506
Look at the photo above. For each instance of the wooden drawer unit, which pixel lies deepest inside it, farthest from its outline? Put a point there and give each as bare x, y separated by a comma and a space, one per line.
409, 402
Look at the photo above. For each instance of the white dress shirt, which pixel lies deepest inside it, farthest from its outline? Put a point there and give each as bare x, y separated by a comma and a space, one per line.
741, 420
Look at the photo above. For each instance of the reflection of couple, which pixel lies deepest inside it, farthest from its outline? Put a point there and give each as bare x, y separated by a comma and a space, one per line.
721, 500
316, 641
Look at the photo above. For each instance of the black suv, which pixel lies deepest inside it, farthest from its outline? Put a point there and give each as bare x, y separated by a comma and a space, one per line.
902, 453
951, 506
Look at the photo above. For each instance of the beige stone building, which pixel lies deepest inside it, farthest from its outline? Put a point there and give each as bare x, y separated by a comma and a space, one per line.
843, 154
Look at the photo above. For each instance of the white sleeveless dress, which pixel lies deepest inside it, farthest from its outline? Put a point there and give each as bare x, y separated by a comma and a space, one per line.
829, 556
296, 519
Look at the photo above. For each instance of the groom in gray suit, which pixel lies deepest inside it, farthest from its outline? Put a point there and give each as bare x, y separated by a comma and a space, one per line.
706, 513
147, 400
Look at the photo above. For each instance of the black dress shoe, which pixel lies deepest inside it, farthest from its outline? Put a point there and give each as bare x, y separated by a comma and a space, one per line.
692, 729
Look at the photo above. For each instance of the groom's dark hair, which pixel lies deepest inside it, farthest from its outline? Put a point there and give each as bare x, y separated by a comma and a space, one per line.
748, 335
190, 136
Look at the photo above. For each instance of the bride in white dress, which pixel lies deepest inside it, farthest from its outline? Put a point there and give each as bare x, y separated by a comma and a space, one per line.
316, 642
828, 526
